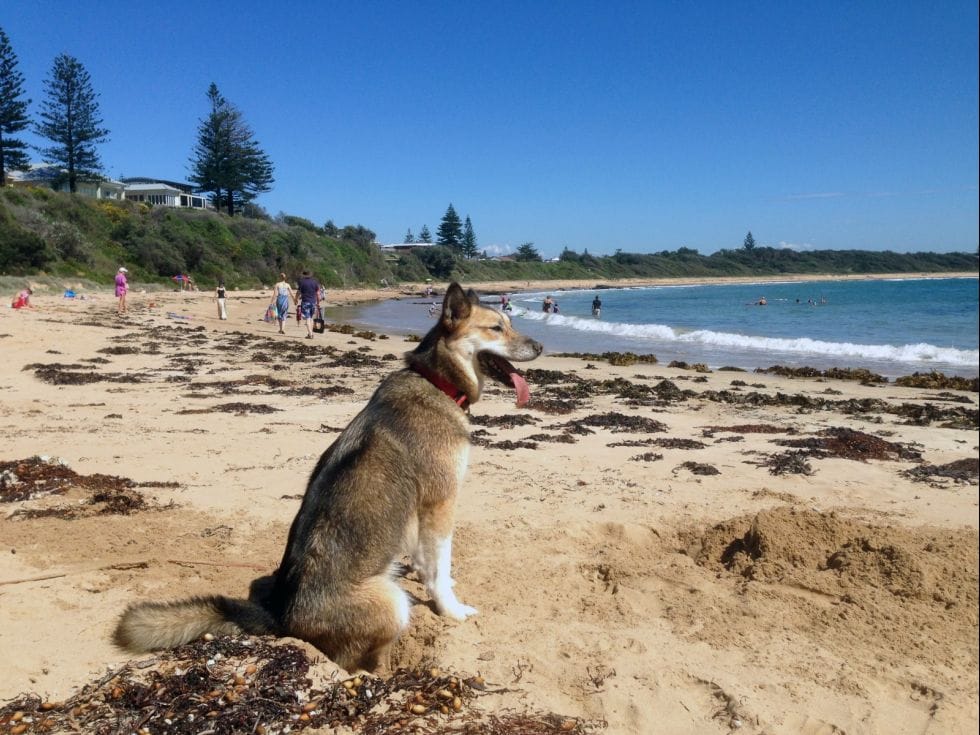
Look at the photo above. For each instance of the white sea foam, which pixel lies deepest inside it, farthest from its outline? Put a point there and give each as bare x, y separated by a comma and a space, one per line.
910, 353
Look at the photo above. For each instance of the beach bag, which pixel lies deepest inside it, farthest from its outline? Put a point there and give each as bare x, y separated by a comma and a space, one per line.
318, 324
270, 313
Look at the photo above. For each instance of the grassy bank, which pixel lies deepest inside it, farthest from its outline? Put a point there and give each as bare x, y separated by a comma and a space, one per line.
70, 239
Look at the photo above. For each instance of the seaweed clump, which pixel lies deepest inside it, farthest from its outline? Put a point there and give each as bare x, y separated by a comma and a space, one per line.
960, 471
231, 685
851, 444
861, 375
621, 423
36, 477
621, 359
938, 380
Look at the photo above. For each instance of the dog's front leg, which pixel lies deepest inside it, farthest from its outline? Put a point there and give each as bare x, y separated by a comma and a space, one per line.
433, 561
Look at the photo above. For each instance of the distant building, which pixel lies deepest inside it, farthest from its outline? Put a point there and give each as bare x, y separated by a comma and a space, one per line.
405, 247
164, 193
150, 191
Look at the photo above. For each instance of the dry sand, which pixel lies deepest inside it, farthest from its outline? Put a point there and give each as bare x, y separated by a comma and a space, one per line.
632, 556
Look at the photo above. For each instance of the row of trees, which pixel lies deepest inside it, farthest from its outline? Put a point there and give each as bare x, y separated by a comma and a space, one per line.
227, 161
453, 234
69, 118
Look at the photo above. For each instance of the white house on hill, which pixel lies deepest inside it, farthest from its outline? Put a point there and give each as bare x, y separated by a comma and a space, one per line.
150, 191
164, 193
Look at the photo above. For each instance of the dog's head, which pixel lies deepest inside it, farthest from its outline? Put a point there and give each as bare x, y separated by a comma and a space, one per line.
481, 341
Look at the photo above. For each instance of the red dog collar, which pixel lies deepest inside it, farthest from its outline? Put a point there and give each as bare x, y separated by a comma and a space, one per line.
459, 397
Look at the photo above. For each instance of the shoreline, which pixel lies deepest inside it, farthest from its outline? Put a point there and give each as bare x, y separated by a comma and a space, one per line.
588, 284
353, 297
361, 294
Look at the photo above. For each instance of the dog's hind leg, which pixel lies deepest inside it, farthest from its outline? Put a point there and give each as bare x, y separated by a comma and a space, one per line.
358, 629
433, 561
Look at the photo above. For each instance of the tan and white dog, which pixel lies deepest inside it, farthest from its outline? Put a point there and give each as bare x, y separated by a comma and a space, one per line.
385, 487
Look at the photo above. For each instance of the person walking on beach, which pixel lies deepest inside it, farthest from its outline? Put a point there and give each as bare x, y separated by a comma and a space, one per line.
122, 288
219, 295
596, 307
309, 300
282, 294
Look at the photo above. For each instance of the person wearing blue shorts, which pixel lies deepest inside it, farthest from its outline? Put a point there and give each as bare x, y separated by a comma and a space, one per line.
309, 300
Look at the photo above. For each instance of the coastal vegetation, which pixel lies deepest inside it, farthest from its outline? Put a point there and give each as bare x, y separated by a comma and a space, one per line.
44, 231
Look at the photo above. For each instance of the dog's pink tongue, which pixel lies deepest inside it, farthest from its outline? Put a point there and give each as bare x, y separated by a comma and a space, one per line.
520, 388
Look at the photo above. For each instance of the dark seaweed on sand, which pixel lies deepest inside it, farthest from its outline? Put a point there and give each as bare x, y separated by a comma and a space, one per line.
851, 444
237, 408
698, 468
119, 350
557, 438
509, 445
507, 421
698, 367
861, 375
56, 375
960, 471
621, 423
621, 359
952, 417
232, 685
789, 463
748, 429
35, 477
936, 379
23, 479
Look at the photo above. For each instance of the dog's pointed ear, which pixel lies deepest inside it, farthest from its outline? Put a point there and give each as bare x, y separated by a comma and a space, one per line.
456, 306
473, 296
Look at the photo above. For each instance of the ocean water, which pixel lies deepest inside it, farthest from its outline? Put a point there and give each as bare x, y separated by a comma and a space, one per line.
892, 327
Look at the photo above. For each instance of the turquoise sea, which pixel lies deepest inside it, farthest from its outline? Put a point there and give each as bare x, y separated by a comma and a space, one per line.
892, 327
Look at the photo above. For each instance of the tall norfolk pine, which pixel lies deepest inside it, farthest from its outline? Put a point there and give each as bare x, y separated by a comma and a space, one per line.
13, 111
227, 160
450, 232
70, 119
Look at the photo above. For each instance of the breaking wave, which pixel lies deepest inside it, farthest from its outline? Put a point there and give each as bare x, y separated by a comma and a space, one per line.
661, 333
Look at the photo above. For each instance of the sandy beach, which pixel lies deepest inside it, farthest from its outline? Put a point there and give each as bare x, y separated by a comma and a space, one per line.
651, 548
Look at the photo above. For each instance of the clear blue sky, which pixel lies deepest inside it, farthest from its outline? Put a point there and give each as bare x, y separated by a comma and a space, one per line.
594, 125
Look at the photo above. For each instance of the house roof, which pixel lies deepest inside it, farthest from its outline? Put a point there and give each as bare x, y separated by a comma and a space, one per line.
152, 187
186, 188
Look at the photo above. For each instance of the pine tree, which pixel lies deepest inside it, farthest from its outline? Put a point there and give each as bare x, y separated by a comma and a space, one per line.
409, 237
13, 112
228, 162
749, 242
424, 235
468, 243
70, 119
450, 232
527, 252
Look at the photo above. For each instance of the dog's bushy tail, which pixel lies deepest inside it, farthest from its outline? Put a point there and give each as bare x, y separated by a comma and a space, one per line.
147, 626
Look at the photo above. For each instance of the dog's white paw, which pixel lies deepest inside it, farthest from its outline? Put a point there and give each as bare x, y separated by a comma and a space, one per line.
458, 611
